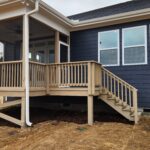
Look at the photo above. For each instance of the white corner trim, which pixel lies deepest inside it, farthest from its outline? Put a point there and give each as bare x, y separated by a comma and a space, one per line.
68, 46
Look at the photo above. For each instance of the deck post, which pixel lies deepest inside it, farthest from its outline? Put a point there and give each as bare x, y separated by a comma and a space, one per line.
23, 112
1, 99
57, 47
90, 110
135, 103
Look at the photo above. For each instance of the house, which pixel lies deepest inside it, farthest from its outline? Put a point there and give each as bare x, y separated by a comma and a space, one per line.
102, 53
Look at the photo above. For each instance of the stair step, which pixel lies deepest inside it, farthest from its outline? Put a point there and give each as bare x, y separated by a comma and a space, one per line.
116, 103
124, 105
109, 95
132, 115
120, 103
112, 98
127, 109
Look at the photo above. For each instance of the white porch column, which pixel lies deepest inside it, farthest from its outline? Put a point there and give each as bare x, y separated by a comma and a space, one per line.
26, 66
90, 110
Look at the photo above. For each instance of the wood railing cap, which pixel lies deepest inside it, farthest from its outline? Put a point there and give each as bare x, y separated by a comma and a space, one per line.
11, 62
74, 62
34, 62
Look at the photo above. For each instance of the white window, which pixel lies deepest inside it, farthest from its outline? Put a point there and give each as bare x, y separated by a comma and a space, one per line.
108, 48
1, 51
134, 48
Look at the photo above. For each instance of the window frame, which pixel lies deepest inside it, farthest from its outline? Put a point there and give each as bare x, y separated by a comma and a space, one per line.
139, 45
118, 47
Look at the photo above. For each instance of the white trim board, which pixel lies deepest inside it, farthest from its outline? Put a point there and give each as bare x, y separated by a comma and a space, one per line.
67, 45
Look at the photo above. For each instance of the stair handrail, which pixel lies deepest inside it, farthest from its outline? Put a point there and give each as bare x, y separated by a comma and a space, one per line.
103, 68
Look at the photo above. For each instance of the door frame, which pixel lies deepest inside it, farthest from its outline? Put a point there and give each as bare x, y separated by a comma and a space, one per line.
67, 45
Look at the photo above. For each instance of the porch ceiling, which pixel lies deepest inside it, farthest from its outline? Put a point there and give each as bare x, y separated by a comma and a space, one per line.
11, 30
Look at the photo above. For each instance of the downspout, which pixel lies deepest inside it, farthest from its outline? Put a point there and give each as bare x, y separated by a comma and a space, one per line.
27, 111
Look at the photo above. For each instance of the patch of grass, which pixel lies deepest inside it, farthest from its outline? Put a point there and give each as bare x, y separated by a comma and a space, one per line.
81, 129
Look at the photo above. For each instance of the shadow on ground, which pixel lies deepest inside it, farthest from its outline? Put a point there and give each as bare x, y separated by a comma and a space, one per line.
39, 115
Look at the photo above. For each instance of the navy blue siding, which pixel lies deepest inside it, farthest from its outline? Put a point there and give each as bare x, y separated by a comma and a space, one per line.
84, 46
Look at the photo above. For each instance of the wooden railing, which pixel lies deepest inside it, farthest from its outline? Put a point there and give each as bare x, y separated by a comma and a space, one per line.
120, 89
74, 74
37, 74
68, 74
11, 74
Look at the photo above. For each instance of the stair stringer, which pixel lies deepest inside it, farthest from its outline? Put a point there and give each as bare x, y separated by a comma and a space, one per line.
119, 109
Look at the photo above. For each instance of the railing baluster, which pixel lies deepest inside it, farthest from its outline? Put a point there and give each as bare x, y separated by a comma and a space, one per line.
126, 96
78, 74
118, 89
122, 92
130, 97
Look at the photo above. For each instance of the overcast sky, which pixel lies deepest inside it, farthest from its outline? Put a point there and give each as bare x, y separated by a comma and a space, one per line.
70, 7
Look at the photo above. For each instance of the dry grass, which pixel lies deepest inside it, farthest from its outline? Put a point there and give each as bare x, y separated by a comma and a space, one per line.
69, 131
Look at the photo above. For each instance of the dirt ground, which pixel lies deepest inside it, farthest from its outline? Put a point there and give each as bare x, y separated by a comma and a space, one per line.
65, 130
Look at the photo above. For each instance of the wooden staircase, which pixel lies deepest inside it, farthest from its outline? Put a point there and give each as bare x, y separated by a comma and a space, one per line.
119, 95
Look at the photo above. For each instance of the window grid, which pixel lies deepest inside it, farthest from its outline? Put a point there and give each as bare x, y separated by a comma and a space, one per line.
107, 49
134, 46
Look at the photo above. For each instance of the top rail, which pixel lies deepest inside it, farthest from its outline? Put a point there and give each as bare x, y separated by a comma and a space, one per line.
11, 62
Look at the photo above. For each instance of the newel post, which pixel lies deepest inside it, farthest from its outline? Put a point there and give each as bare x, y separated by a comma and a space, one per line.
57, 47
47, 79
135, 105
91, 78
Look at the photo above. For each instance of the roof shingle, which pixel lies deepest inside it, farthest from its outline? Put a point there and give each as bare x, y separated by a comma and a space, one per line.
112, 10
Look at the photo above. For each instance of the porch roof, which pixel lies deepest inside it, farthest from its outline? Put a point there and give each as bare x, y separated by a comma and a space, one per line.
121, 17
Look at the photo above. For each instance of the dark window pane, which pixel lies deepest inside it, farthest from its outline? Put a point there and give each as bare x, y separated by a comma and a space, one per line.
63, 53
134, 55
108, 57
63, 38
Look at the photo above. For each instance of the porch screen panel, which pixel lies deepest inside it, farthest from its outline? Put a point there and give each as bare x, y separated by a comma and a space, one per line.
109, 47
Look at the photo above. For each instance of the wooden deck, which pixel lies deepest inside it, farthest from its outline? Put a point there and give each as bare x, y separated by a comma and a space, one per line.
69, 79
87, 78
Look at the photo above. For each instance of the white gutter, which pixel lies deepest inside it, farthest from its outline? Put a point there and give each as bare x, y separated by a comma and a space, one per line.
90, 22
27, 63
124, 15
